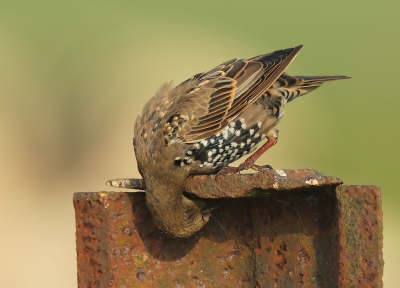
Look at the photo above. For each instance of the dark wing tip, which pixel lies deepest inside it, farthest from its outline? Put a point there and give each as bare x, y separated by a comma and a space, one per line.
298, 48
293, 51
296, 51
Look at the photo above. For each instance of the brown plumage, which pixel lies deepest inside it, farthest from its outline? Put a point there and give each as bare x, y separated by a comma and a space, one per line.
207, 122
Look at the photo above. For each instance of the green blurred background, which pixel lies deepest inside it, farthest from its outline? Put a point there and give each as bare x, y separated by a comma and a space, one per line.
74, 75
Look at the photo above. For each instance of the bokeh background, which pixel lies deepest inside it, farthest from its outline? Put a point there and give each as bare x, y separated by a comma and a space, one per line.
74, 75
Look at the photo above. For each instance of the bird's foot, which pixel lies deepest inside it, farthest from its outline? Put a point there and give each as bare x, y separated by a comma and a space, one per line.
228, 170
261, 167
235, 170
242, 167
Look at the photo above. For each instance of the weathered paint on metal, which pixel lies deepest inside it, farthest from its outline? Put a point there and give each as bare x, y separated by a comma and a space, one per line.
310, 236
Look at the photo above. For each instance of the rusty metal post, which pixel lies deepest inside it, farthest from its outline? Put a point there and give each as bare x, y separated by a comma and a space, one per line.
289, 228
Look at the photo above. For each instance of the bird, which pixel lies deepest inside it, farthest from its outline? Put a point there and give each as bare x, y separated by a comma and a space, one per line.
207, 122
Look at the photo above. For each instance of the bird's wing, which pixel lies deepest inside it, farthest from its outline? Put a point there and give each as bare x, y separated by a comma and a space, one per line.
204, 104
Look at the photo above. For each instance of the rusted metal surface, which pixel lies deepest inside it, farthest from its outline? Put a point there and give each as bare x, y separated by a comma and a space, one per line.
246, 185
232, 186
296, 236
360, 236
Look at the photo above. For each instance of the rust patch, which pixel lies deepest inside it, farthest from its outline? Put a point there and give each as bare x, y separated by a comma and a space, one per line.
292, 236
360, 236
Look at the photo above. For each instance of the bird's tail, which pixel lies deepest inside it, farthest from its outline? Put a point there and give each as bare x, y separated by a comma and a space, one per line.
294, 86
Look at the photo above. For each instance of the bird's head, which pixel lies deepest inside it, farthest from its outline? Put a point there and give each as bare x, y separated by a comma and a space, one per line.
179, 219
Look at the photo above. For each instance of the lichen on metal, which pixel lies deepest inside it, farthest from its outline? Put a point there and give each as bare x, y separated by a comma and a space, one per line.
294, 235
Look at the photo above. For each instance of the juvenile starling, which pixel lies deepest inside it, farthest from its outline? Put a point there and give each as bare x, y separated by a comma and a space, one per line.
207, 122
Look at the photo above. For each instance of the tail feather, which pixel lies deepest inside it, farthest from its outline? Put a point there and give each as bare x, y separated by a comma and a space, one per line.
292, 87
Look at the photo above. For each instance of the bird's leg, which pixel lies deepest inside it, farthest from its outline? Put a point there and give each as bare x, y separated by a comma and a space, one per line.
249, 162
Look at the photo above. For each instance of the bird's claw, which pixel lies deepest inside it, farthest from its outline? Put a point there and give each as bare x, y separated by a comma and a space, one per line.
261, 168
228, 170
242, 167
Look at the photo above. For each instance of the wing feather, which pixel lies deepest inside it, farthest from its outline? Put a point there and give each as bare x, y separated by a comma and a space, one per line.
207, 102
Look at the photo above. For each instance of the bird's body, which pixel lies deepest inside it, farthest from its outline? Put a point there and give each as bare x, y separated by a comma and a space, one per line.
207, 122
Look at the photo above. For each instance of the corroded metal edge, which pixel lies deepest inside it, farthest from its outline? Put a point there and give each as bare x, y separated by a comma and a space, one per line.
243, 185
249, 185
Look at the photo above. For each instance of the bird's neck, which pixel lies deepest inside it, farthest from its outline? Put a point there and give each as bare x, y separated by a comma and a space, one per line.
174, 214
